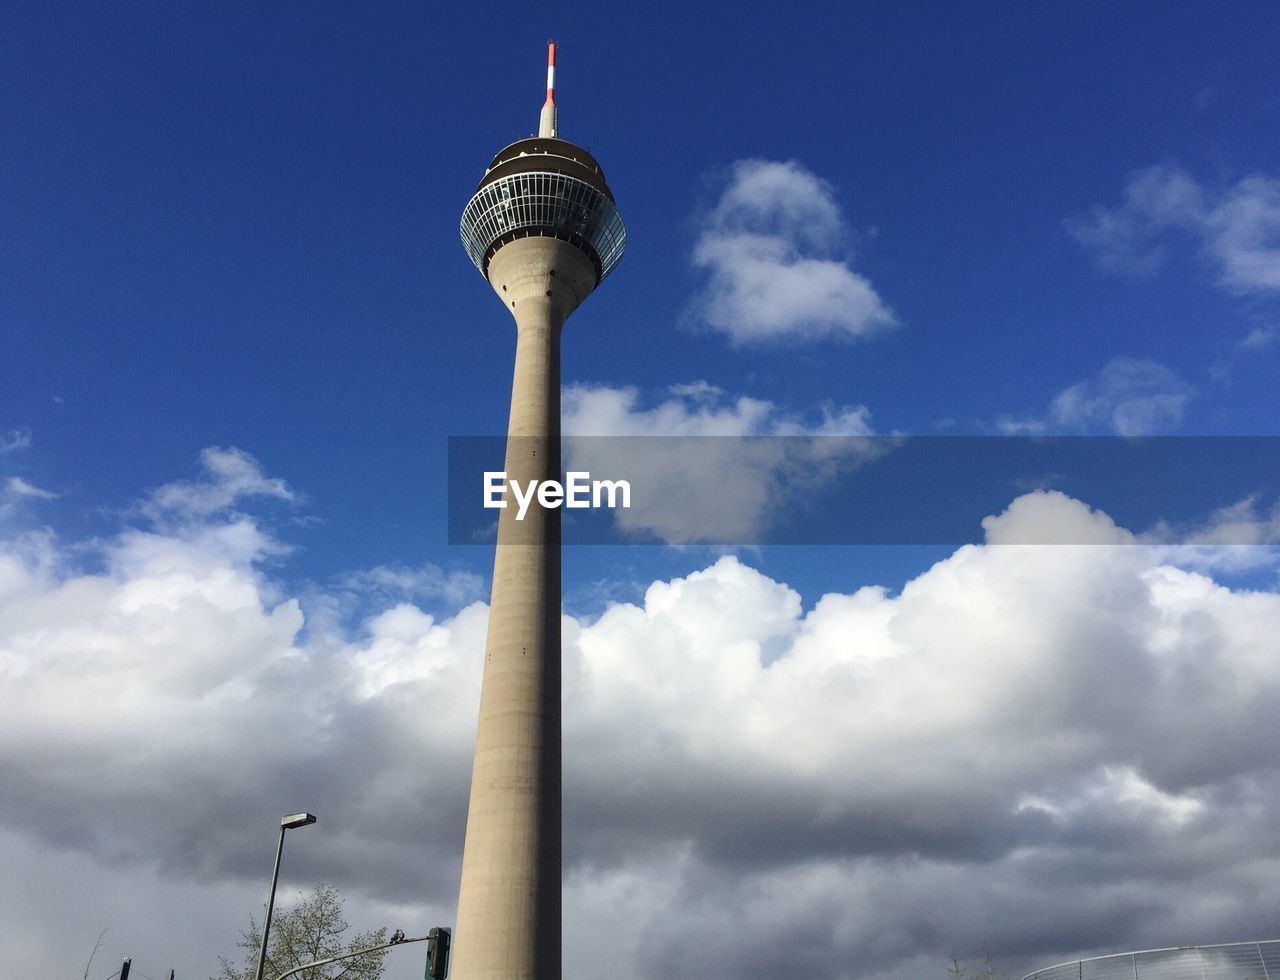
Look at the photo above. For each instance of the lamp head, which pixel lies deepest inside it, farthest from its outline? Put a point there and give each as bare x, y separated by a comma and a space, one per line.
297, 820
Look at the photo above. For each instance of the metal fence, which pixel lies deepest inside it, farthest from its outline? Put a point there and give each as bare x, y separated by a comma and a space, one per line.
1230, 961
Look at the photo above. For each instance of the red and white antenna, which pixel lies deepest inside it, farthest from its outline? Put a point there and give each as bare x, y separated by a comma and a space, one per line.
549, 123
551, 73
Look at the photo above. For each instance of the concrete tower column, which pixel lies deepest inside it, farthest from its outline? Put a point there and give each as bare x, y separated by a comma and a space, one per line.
508, 925
543, 229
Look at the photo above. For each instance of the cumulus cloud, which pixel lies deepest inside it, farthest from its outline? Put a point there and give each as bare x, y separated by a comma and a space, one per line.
773, 249
141, 681
1129, 396
705, 465
1236, 228
1055, 750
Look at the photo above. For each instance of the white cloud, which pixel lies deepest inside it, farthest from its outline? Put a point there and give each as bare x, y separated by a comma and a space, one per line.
231, 475
695, 409
1129, 238
698, 469
770, 249
17, 492
1236, 228
21, 488
1052, 749
698, 409
421, 582
1243, 234
1050, 517
1259, 338
1240, 537
1128, 396
14, 440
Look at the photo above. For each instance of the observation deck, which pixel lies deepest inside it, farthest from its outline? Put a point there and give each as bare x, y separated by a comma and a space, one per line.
1230, 961
547, 187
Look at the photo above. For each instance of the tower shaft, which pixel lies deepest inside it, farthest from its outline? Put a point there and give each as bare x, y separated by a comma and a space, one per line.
543, 229
508, 925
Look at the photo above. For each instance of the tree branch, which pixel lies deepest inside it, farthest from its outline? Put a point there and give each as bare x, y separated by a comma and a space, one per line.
93, 953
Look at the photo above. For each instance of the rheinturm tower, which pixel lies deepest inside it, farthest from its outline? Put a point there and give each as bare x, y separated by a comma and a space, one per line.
543, 229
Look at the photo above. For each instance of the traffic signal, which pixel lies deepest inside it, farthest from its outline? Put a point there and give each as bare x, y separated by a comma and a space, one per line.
437, 954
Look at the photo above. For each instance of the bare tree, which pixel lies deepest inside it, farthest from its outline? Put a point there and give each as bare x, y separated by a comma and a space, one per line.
310, 930
987, 971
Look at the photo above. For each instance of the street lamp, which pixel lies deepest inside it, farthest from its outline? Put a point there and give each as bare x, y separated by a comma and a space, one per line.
286, 823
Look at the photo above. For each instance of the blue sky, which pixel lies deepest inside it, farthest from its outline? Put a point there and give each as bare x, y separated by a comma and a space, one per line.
241, 229
236, 227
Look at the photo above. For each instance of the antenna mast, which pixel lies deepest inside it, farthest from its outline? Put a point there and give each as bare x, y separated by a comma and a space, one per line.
549, 123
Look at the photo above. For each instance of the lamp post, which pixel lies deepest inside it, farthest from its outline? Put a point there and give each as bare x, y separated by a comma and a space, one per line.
286, 823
